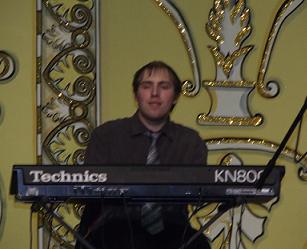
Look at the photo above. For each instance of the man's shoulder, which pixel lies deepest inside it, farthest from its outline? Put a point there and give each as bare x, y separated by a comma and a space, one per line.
182, 129
115, 125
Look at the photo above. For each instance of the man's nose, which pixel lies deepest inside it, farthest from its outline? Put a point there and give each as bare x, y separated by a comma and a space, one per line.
155, 90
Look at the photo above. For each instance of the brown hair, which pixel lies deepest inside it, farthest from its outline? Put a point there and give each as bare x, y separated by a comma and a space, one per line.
150, 67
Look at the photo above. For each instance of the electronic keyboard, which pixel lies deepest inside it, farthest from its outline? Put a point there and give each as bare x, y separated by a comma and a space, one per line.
143, 183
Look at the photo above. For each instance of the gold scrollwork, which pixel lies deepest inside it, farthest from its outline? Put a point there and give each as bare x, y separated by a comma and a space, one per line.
189, 88
257, 144
60, 234
7, 66
72, 75
204, 119
66, 143
72, 16
7, 69
271, 89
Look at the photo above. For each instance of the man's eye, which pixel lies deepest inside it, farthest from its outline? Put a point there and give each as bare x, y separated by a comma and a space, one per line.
145, 86
166, 86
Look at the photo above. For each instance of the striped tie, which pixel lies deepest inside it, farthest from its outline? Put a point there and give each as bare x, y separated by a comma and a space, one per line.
151, 212
152, 156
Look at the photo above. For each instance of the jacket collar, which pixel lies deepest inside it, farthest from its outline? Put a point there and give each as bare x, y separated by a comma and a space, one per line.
138, 128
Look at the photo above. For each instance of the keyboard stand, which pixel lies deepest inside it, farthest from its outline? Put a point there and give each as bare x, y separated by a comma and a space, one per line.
223, 208
36, 206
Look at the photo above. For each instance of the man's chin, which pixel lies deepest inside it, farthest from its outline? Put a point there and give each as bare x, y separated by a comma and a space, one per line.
156, 119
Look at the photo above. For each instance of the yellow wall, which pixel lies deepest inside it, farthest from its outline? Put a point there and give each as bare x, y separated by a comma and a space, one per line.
132, 33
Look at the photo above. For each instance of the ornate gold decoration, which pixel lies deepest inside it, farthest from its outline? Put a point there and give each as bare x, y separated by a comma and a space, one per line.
1, 208
231, 159
226, 63
228, 231
188, 88
233, 143
237, 121
228, 25
7, 70
232, 84
223, 234
62, 237
66, 91
271, 89
7, 66
70, 75
67, 145
71, 14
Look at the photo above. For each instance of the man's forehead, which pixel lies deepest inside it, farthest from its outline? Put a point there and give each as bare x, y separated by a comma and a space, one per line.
155, 71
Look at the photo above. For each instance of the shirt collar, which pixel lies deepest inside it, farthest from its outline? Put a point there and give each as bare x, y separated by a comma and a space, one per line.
137, 127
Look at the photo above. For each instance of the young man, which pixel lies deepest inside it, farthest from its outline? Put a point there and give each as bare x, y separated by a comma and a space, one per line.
129, 141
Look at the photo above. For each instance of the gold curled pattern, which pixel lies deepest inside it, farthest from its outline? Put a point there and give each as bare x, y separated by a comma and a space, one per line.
66, 143
69, 73
62, 236
229, 228
271, 89
256, 144
69, 14
79, 81
188, 88
7, 66
203, 119
7, 69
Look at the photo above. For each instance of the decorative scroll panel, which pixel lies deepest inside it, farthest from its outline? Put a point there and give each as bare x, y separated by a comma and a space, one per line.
66, 79
67, 84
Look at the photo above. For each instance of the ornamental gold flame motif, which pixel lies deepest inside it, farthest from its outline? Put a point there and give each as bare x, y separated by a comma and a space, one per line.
229, 26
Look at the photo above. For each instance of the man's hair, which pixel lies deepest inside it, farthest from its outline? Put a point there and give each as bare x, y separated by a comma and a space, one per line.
152, 66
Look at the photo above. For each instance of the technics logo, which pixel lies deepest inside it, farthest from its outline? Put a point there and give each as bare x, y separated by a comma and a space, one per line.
39, 176
237, 175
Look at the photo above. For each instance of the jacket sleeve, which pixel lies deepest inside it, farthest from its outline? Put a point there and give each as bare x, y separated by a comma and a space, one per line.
198, 150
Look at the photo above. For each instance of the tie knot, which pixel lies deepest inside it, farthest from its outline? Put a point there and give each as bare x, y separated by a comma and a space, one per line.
153, 135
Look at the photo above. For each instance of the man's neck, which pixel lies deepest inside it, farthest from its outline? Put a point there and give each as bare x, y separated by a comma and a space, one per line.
152, 125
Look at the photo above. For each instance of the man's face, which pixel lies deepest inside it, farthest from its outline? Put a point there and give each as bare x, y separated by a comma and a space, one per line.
155, 95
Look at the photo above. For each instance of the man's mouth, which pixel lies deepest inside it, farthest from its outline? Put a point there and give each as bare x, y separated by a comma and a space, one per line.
154, 103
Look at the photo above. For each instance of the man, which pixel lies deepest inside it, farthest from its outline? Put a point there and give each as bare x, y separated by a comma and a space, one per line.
148, 137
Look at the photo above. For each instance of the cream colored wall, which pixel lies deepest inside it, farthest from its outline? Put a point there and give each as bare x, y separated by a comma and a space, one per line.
17, 123
132, 33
